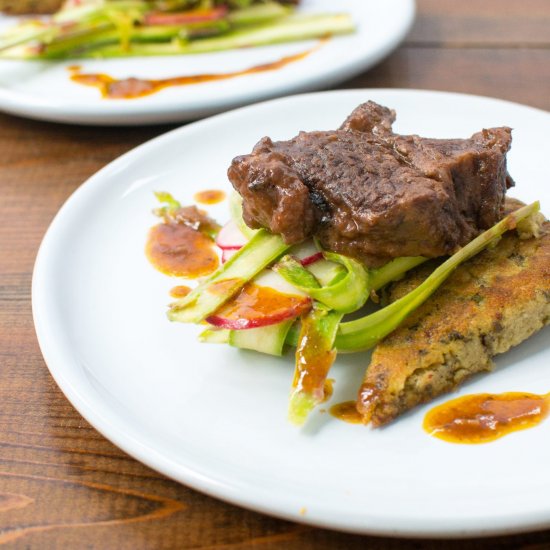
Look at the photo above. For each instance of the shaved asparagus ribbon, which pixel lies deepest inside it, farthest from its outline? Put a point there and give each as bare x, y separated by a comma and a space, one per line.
315, 355
366, 332
321, 332
346, 294
125, 28
262, 250
349, 291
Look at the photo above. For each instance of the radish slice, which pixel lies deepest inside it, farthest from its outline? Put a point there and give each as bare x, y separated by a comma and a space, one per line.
227, 253
243, 323
230, 237
272, 279
267, 300
306, 252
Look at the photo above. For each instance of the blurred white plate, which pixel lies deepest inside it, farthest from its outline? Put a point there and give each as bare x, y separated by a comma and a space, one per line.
44, 90
214, 417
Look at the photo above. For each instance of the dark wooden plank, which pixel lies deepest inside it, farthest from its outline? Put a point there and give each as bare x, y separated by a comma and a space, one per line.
490, 23
521, 75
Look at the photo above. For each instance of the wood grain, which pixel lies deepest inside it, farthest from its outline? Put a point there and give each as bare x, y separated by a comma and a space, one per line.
475, 23
520, 75
62, 485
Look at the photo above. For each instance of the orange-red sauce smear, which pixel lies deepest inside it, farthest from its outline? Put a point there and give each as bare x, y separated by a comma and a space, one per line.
210, 196
255, 302
224, 286
313, 362
181, 251
484, 417
132, 88
180, 291
179, 248
328, 389
347, 412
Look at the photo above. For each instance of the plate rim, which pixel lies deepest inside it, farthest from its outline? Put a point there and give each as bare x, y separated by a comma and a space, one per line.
146, 453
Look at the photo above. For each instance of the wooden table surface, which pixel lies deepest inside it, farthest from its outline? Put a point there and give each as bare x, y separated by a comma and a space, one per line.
62, 485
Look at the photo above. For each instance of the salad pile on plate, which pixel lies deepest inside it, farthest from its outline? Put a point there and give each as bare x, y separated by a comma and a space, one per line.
124, 28
268, 295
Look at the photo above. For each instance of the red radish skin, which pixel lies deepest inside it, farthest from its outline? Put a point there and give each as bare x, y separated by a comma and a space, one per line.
306, 253
243, 324
259, 306
186, 18
312, 259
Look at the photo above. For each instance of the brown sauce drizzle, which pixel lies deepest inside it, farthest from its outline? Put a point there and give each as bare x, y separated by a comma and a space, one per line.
328, 389
225, 285
181, 251
366, 401
180, 291
255, 302
132, 88
484, 417
347, 412
210, 196
194, 218
313, 362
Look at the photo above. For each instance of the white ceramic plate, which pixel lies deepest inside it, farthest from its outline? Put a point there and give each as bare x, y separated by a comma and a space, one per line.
214, 417
45, 91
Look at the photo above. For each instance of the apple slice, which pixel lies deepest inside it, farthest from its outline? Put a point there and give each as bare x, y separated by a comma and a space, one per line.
266, 300
231, 237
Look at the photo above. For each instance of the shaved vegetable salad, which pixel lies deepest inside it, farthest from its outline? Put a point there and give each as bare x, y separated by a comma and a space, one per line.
124, 28
269, 296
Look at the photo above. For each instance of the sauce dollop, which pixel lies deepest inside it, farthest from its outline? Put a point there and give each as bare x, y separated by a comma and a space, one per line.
181, 251
132, 88
180, 291
183, 245
484, 417
347, 412
210, 196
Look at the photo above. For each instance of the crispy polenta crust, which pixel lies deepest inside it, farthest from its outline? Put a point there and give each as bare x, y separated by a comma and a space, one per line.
488, 305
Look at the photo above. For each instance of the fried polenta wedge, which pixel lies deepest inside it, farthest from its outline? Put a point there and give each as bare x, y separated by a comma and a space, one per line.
488, 305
